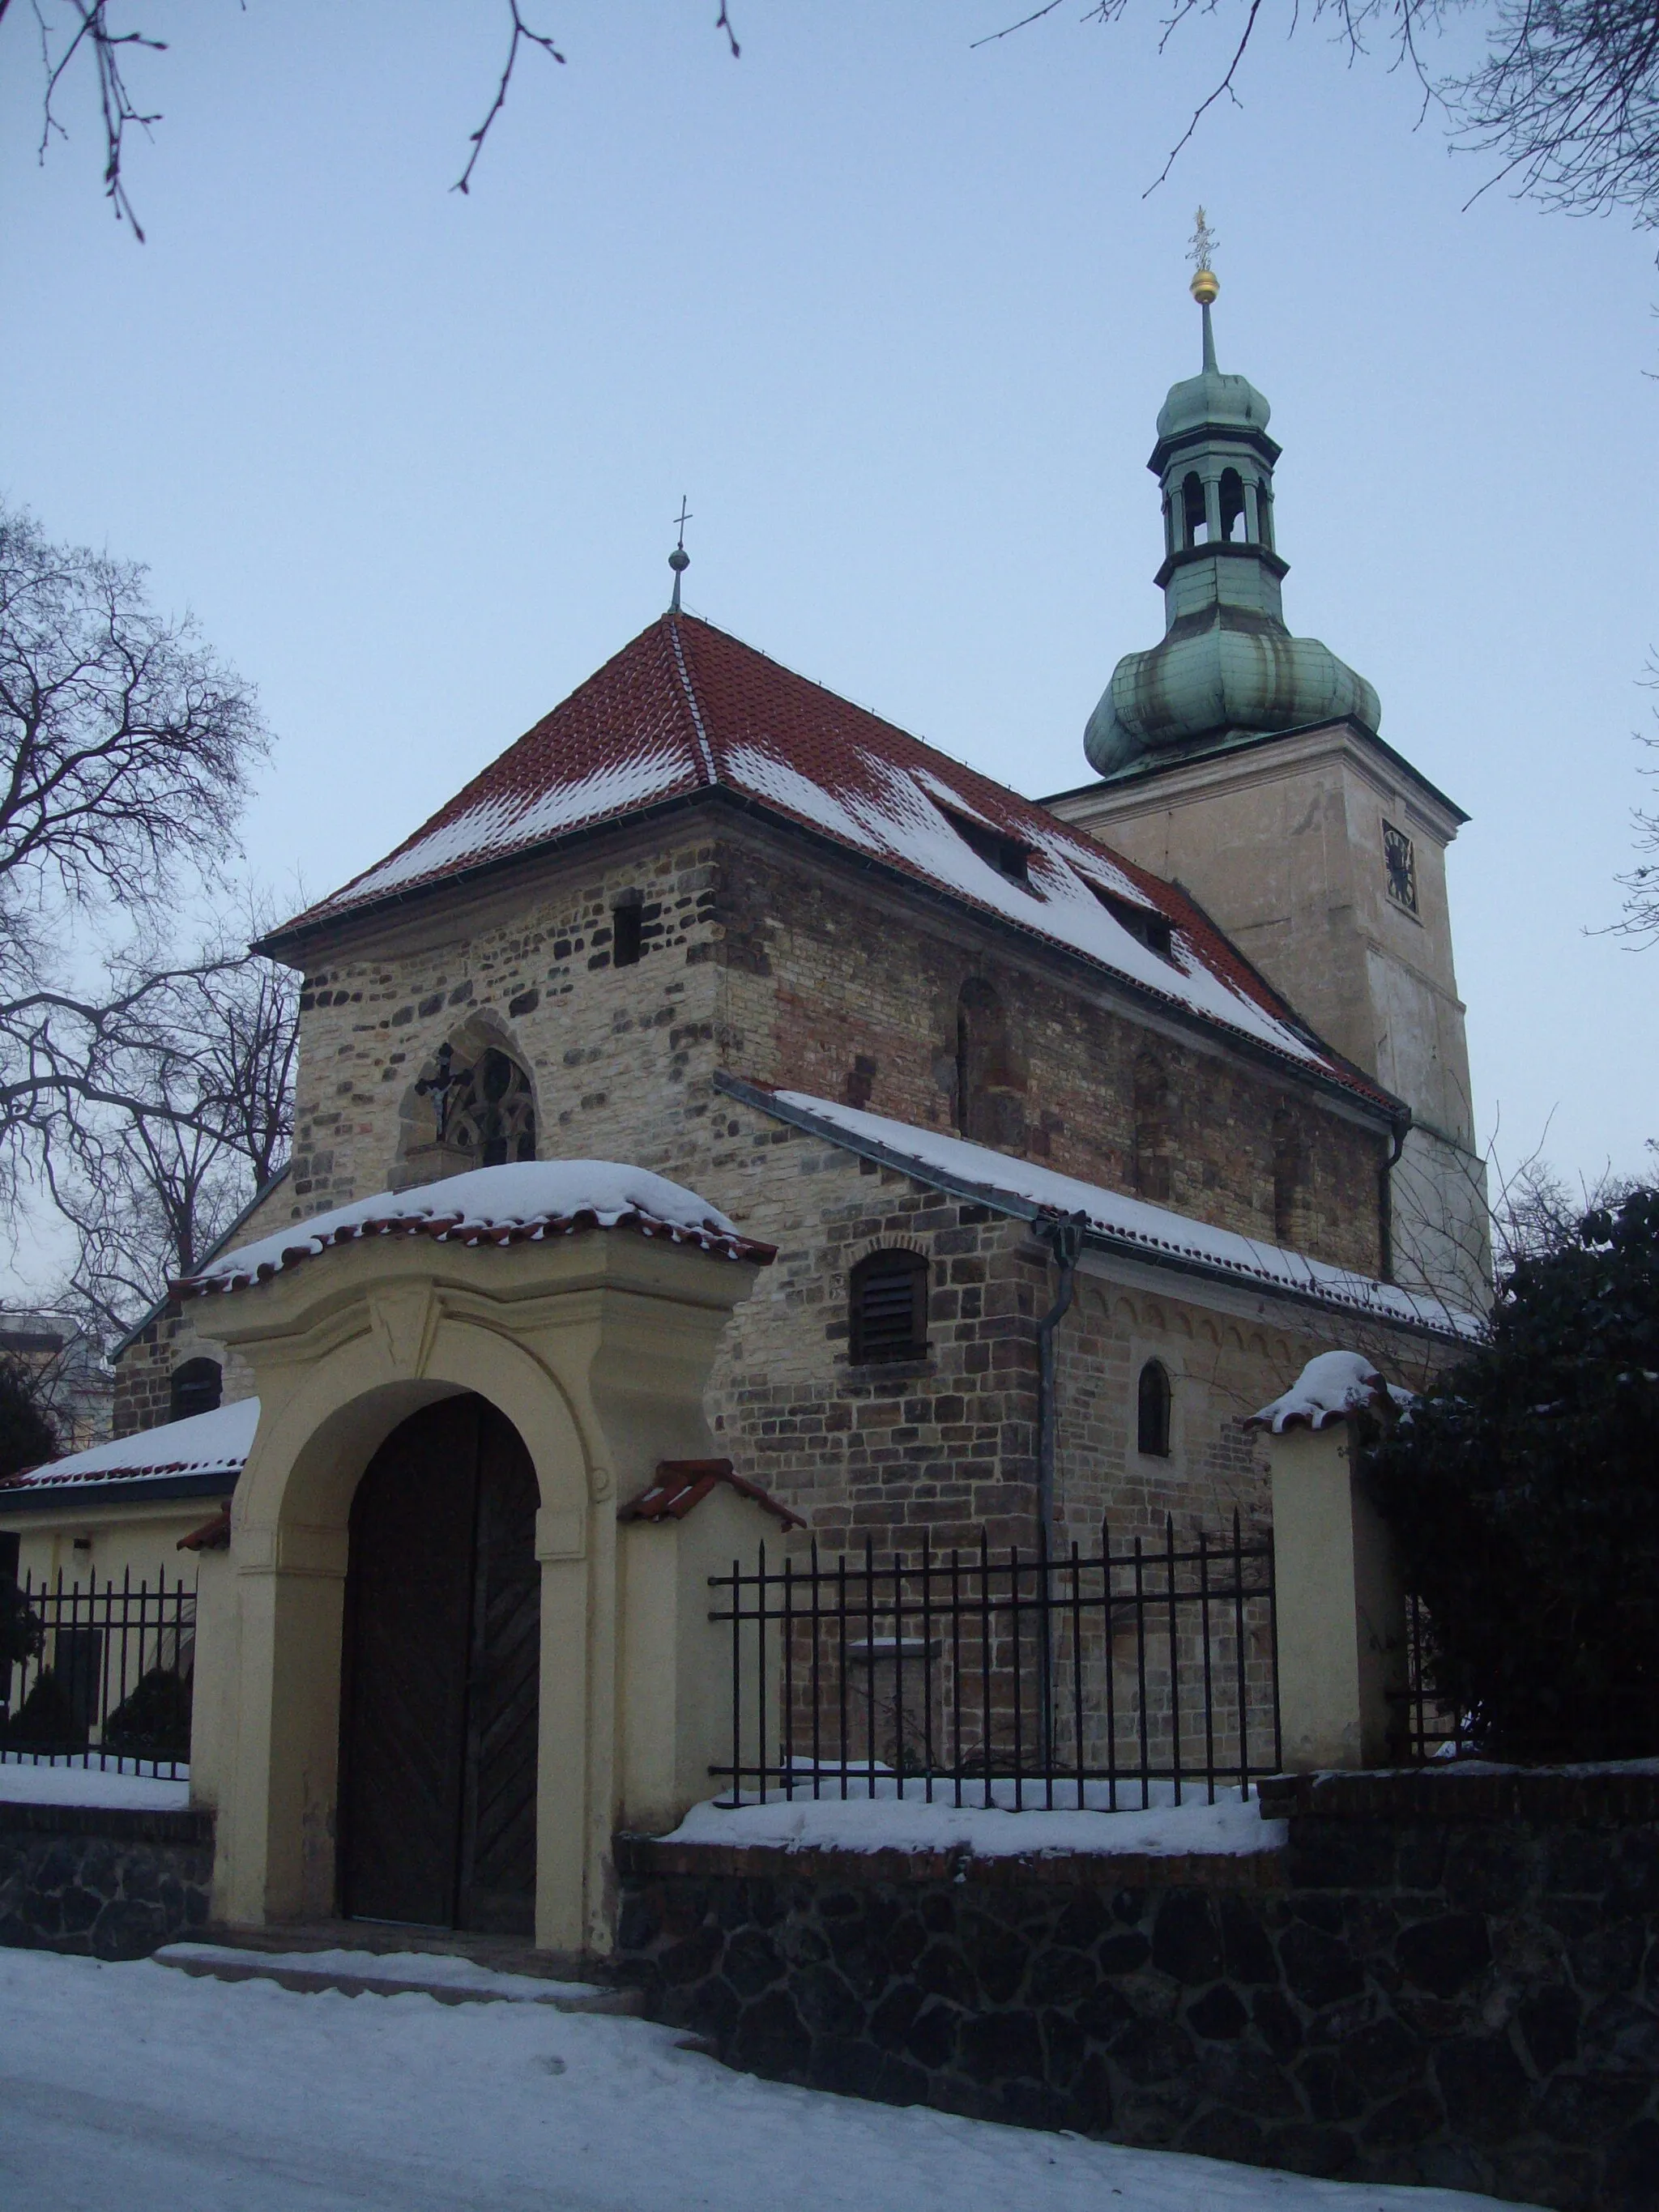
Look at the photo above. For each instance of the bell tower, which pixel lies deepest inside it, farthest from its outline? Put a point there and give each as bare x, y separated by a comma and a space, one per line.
1247, 764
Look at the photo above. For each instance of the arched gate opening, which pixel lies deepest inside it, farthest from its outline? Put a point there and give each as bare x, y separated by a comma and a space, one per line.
440, 1703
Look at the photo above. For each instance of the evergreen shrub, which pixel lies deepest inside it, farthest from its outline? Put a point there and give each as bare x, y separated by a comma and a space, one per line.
46, 1720
154, 1721
1523, 1489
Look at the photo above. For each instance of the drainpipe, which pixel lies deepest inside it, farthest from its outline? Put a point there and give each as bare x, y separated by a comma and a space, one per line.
1063, 1234
1385, 1197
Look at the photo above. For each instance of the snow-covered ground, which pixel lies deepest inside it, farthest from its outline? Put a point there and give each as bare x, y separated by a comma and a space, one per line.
134, 1784
139, 2087
908, 1822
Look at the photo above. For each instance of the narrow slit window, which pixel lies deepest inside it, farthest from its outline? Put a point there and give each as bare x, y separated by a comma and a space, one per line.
888, 1316
1152, 1412
627, 933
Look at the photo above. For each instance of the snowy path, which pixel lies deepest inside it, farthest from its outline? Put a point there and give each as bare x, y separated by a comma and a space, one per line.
138, 2086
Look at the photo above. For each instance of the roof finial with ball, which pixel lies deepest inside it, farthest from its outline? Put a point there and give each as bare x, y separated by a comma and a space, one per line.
1205, 283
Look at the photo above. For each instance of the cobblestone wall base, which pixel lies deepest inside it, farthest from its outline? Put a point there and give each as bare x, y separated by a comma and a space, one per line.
1448, 1980
104, 1883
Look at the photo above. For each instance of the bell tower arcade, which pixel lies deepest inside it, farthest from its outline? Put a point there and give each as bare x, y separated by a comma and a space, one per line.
1245, 765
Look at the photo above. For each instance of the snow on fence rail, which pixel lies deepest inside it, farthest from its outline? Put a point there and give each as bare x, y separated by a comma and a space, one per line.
106, 1677
1001, 1677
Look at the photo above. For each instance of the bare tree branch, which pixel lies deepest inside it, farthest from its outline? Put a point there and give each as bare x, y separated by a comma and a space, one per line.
522, 36
89, 31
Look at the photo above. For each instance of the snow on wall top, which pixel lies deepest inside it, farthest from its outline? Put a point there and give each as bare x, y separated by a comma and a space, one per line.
524, 1202
1329, 1389
1113, 1216
207, 1444
685, 708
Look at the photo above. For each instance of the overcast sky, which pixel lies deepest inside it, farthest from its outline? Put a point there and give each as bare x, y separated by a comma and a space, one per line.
898, 316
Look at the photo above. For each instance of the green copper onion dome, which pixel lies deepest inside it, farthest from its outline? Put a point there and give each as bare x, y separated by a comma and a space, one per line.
1228, 667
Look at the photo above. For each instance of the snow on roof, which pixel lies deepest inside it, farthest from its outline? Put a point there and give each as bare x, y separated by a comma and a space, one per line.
523, 1202
685, 708
1329, 1389
953, 1164
215, 1443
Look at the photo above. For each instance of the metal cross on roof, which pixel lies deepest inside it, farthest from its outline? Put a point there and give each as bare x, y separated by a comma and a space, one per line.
679, 560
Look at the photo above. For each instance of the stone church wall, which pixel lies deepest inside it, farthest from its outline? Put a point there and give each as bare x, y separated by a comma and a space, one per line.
759, 958
837, 987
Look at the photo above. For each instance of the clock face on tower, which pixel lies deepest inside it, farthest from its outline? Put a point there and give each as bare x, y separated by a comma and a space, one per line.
1401, 861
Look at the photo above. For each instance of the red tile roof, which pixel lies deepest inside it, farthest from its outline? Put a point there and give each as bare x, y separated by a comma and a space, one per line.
686, 709
682, 1484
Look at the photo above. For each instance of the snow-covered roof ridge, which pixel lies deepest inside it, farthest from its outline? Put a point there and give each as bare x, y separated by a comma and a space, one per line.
205, 1445
524, 1202
1113, 1217
1330, 1386
684, 708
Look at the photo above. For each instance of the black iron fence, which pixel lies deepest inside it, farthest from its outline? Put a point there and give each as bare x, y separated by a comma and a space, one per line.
1092, 1680
1433, 1727
105, 1677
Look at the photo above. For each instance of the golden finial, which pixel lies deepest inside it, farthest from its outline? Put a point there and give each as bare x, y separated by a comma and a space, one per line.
1205, 284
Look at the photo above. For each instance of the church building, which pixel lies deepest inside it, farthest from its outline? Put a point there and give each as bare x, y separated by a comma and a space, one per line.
1053, 1138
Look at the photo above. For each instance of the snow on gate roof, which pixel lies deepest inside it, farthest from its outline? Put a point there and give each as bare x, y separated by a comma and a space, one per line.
685, 709
526, 1202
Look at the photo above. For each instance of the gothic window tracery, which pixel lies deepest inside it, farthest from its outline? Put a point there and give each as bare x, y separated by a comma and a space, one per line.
492, 1114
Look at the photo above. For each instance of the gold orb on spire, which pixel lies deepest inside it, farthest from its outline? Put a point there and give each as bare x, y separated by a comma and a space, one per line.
1205, 284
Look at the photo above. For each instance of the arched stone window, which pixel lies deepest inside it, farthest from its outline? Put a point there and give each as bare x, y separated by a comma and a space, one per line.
887, 1307
1153, 1133
473, 1107
1153, 1411
195, 1387
989, 1088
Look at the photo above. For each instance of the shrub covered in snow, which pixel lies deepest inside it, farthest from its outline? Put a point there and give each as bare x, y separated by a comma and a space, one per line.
1523, 1488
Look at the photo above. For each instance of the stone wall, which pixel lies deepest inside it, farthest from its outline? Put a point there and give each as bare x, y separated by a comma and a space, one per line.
103, 1882
837, 985
1448, 1979
763, 959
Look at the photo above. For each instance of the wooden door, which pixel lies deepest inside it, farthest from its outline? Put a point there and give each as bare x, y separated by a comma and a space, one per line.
440, 1698
498, 1828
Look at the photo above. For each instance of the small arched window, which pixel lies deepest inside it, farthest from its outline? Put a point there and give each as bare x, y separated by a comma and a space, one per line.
195, 1387
1152, 1412
887, 1317
1192, 505
1232, 505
